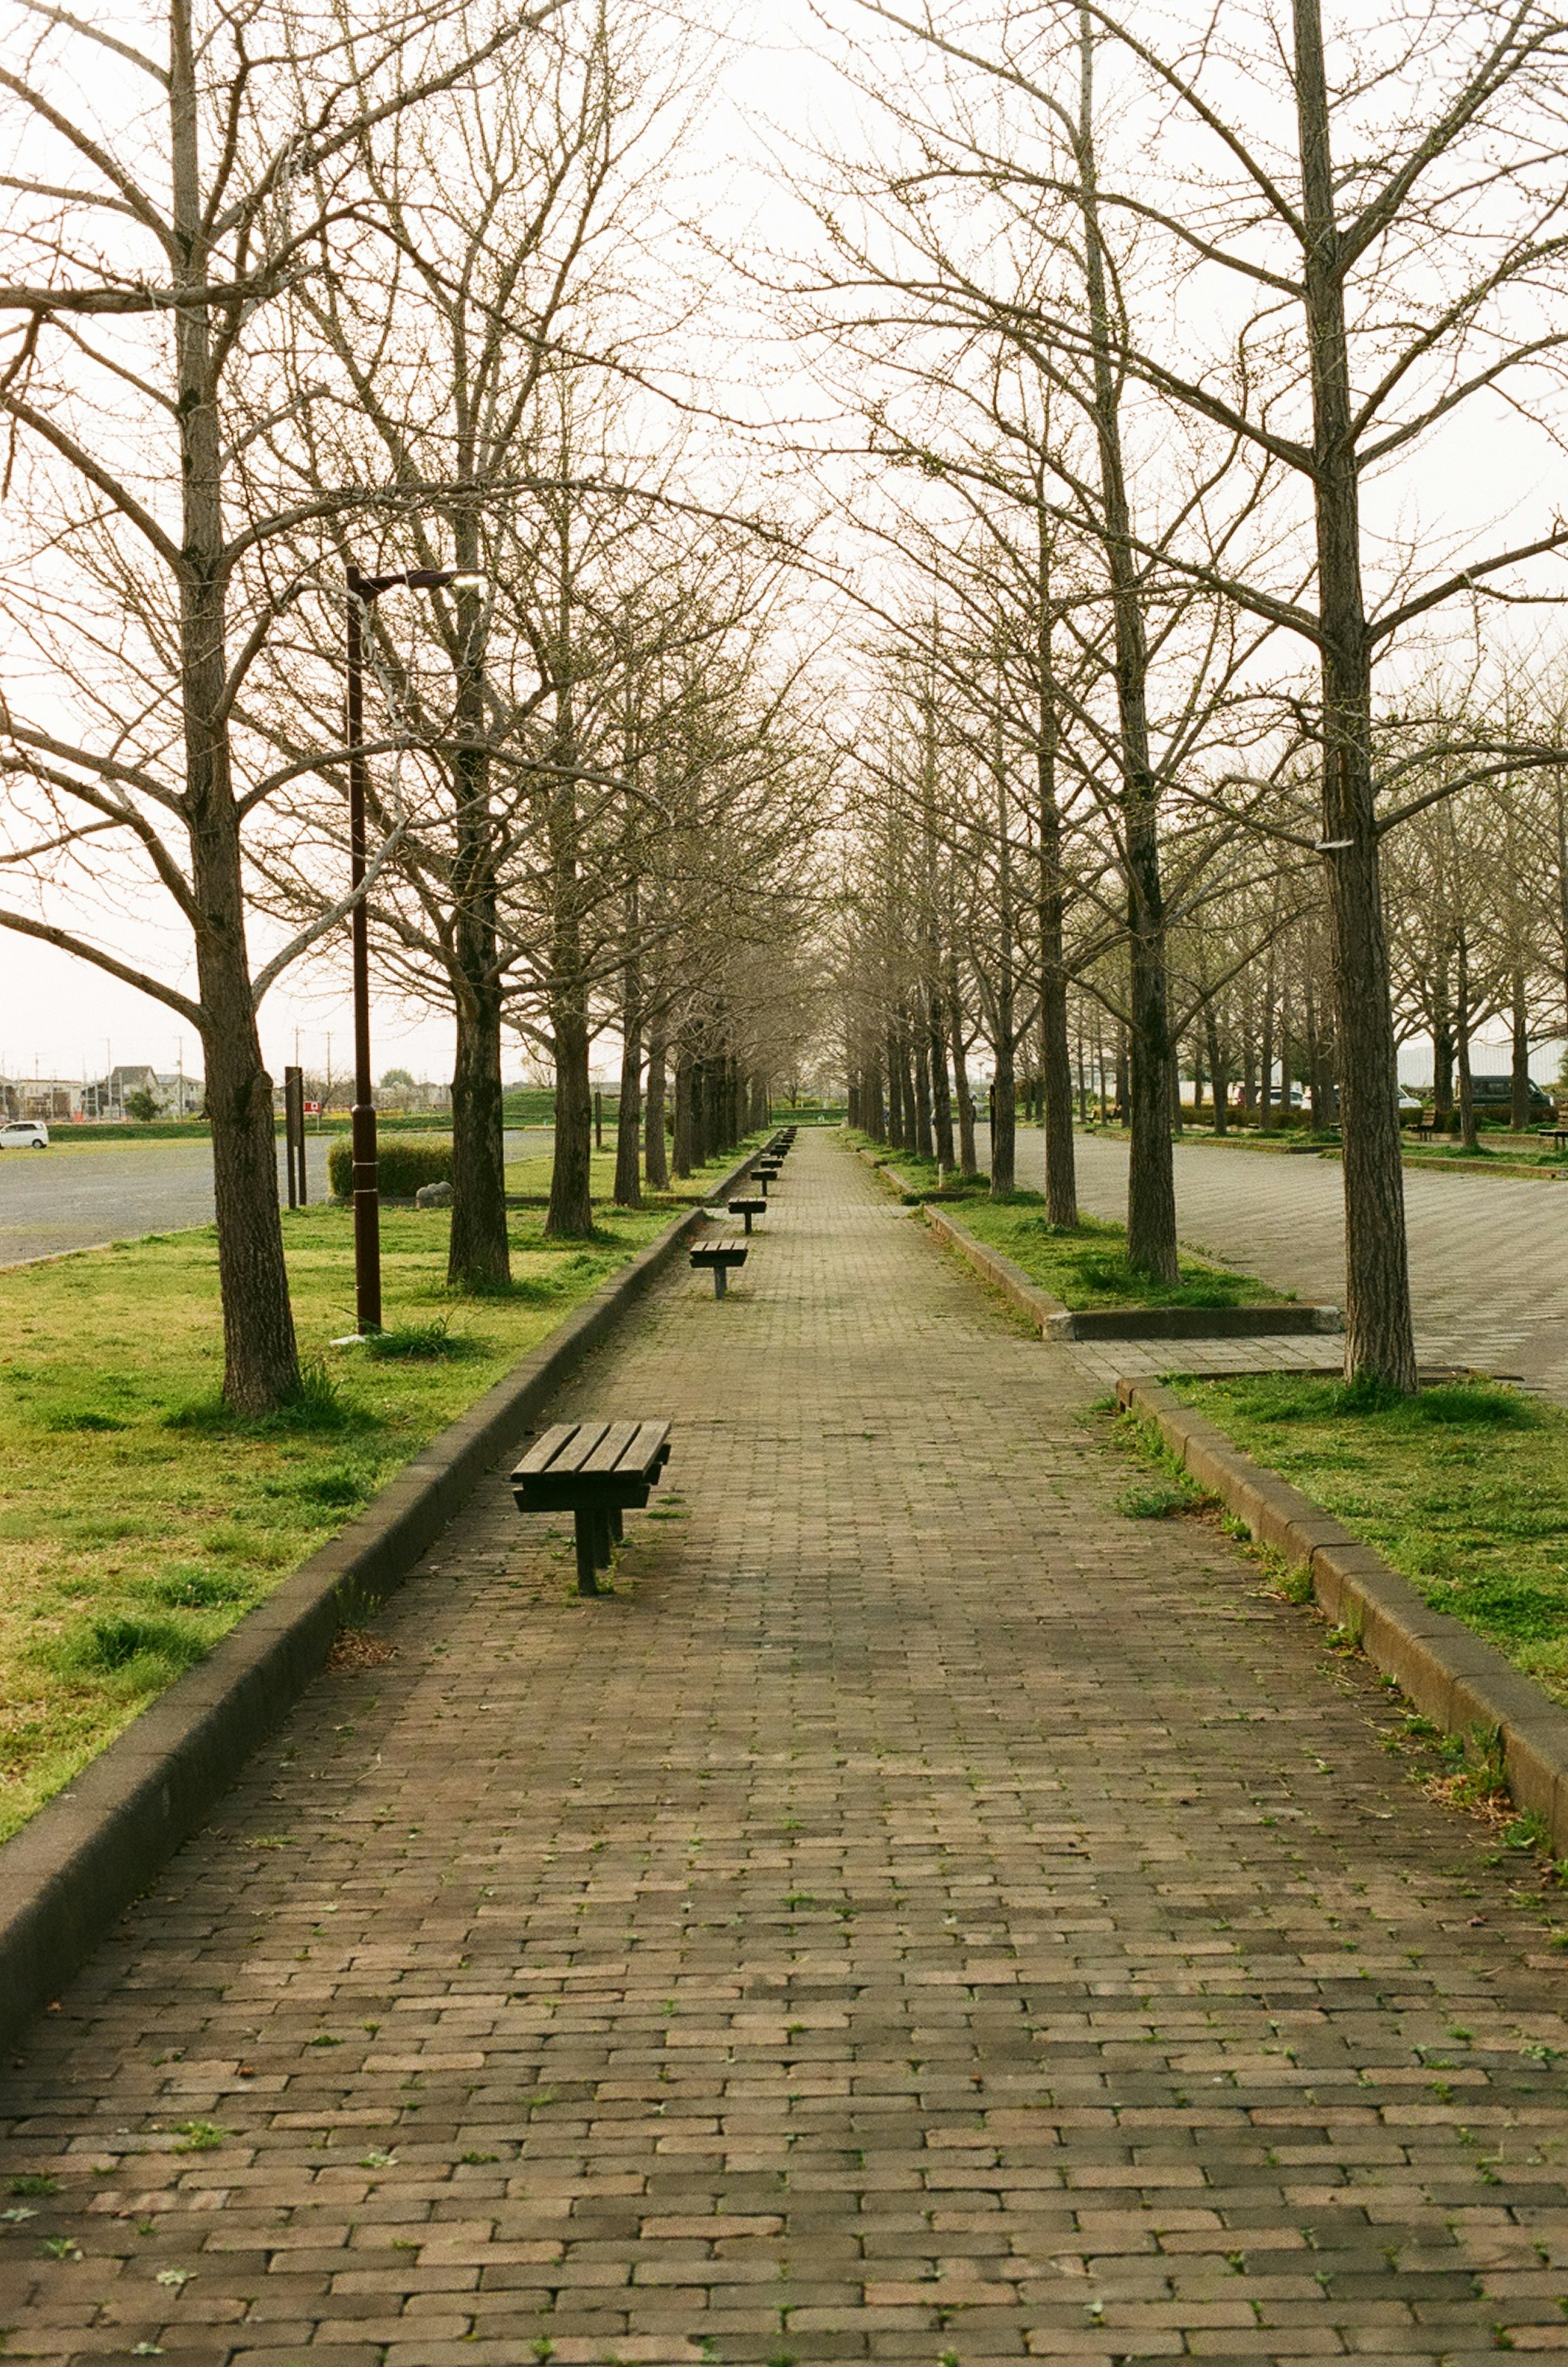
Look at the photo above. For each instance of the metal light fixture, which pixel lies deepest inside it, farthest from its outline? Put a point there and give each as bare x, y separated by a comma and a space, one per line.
362, 590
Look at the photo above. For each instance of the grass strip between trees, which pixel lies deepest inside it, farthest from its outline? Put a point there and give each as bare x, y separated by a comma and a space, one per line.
1084, 1266
140, 1520
1462, 1488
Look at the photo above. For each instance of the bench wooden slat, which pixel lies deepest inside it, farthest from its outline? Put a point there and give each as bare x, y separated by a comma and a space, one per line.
651, 1446
584, 1444
606, 1457
542, 1452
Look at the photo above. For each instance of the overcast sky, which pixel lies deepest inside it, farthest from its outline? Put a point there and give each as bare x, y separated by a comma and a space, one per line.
774, 88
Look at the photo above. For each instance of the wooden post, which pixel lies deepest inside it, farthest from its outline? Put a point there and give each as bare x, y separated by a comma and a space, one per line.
598, 1119
294, 1136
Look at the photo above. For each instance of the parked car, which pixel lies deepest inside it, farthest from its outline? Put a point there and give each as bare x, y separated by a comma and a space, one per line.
1497, 1093
23, 1134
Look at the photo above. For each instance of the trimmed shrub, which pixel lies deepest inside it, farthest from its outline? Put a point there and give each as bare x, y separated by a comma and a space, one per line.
405, 1166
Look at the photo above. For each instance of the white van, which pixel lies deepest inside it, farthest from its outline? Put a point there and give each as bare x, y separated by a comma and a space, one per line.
23, 1134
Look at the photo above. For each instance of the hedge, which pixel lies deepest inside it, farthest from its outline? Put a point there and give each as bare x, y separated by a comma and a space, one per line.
405, 1166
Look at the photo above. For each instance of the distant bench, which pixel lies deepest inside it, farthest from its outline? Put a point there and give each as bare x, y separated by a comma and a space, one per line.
596, 1470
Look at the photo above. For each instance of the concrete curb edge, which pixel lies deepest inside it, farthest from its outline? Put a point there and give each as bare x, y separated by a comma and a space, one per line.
76, 1865
1016, 1286
1055, 1321
1462, 1684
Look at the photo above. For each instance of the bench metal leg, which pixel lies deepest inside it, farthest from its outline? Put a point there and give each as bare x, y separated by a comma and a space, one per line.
612, 1522
720, 1280
747, 1214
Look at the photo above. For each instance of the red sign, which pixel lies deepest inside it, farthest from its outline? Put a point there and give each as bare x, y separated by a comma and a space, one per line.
312, 1109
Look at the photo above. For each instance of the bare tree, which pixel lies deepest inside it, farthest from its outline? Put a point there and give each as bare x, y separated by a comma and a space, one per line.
1370, 242
150, 246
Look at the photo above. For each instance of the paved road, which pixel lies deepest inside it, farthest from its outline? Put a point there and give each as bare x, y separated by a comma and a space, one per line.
1488, 1255
86, 1193
922, 1915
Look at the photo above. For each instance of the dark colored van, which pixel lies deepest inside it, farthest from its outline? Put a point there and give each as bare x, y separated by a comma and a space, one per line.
1497, 1093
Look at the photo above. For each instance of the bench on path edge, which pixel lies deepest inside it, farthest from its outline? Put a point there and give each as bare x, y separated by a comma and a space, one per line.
719, 1256
596, 1470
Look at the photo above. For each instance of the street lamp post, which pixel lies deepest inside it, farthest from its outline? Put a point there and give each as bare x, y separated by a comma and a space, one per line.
362, 590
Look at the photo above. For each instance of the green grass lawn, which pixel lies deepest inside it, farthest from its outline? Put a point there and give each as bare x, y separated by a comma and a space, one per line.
1463, 1488
1085, 1266
1512, 1149
138, 1522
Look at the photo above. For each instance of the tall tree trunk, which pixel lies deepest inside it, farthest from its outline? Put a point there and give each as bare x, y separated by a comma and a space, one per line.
1004, 1113
656, 1160
1314, 1056
628, 1114
875, 1115
941, 1097
910, 1120
477, 1256
1466, 1095
967, 1163
1004, 1041
1219, 1071
571, 1211
1519, 1062
1443, 1057
895, 1092
261, 1356
1380, 1339
924, 1140
699, 1142
1055, 1056
685, 1097
1151, 1175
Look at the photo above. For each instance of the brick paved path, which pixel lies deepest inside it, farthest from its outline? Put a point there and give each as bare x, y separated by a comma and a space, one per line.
923, 1915
1488, 1254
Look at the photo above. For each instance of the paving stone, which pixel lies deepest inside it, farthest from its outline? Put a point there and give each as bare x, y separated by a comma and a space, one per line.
920, 1911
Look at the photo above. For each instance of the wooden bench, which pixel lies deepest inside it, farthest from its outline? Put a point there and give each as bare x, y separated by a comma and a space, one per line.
748, 1208
1555, 1135
720, 1256
596, 1470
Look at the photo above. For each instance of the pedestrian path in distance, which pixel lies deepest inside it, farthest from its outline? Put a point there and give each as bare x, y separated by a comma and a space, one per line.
923, 1914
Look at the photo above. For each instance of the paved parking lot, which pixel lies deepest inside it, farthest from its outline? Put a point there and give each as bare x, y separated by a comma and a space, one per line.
923, 1915
1488, 1255
85, 1193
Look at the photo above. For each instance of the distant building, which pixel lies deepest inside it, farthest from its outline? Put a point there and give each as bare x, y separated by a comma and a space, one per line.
176, 1095
181, 1096
56, 1100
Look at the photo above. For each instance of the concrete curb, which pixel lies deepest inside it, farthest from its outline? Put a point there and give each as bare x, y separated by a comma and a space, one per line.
1055, 1321
1460, 1683
1017, 1287
74, 1869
